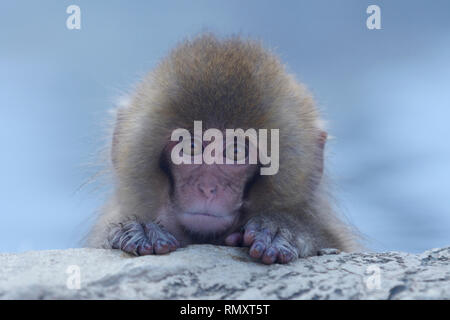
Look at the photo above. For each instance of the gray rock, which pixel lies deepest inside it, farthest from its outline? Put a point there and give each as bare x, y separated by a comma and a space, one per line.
214, 272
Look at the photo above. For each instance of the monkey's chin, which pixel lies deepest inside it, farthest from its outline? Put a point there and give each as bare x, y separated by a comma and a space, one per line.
205, 223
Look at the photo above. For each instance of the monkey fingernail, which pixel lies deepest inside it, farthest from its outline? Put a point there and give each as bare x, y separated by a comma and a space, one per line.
249, 237
162, 247
256, 250
270, 256
129, 246
285, 256
234, 239
271, 252
229, 241
146, 249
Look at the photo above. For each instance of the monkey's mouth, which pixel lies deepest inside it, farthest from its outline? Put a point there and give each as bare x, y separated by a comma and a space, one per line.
204, 214
206, 222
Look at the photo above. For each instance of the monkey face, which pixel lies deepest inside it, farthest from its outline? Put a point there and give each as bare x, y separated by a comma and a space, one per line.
208, 197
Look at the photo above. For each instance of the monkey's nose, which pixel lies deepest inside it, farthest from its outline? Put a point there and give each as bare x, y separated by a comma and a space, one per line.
208, 190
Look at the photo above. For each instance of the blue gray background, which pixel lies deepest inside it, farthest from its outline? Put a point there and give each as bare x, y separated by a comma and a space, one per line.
386, 94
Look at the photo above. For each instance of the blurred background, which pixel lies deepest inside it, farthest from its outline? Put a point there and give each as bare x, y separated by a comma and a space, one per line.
385, 94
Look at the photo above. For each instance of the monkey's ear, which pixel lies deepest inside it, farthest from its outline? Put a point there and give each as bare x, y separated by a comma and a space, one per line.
323, 135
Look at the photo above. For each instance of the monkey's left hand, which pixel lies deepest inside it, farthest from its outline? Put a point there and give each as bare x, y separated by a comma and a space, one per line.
267, 240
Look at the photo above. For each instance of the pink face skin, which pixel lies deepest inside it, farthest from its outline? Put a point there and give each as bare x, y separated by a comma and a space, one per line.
209, 197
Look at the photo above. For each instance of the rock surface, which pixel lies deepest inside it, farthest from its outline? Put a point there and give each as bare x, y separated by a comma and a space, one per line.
213, 272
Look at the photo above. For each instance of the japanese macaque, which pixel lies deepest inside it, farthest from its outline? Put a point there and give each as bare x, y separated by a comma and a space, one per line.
159, 206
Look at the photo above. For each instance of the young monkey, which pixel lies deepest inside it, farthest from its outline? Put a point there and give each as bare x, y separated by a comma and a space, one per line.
159, 206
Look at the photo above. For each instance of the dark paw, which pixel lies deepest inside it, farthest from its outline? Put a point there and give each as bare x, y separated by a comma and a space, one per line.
142, 239
267, 242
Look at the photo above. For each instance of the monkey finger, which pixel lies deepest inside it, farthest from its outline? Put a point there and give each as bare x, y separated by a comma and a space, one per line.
161, 247
286, 251
286, 256
115, 239
262, 241
115, 244
259, 228
270, 255
173, 242
130, 247
249, 237
250, 230
145, 249
161, 239
234, 239
167, 238
256, 250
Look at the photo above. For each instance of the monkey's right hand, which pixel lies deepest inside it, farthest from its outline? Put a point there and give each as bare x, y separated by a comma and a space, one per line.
142, 238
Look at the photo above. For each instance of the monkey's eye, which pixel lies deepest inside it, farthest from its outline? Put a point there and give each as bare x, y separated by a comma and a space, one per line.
236, 151
193, 148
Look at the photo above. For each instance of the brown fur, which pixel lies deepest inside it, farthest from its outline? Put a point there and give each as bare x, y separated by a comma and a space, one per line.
226, 83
